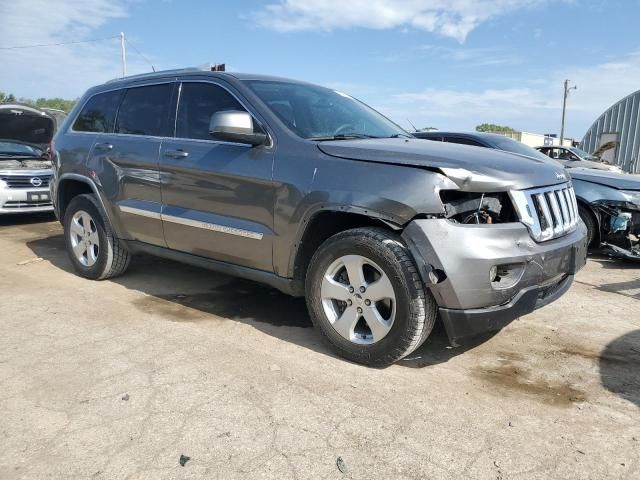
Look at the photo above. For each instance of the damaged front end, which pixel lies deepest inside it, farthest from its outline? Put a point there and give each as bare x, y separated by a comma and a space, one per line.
619, 228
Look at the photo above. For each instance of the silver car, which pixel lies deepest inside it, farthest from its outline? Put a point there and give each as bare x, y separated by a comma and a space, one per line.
25, 167
572, 157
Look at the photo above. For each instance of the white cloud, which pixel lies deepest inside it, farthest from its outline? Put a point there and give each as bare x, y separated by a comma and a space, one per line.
450, 18
534, 106
65, 71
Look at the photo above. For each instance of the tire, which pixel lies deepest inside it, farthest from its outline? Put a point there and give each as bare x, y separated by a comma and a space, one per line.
104, 255
590, 221
411, 314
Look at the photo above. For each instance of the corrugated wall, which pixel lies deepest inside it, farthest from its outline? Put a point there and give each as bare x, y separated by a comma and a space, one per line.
621, 119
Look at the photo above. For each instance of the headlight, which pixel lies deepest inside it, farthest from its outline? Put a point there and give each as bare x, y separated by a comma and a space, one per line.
3, 184
633, 196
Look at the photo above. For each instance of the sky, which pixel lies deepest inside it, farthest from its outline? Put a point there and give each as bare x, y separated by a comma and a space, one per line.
449, 64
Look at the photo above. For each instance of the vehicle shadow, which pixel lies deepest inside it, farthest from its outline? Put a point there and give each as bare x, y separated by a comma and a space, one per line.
25, 218
626, 288
619, 366
183, 293
611, 262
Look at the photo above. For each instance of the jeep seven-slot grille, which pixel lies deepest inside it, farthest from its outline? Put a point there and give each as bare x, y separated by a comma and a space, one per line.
25, 181
548, 212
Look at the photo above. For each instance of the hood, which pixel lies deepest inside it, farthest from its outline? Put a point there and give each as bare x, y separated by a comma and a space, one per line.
25, 124
471, 168
588, 164
621, 181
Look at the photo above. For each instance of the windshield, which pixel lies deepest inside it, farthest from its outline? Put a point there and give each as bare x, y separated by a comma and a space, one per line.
18, 149
319, 113
513, 146
580, 153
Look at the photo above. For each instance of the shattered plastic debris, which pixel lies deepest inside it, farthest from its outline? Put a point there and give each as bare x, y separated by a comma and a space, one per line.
125, 397
341, 465
184, 459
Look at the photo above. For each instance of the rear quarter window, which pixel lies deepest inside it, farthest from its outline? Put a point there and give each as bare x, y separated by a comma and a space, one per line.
99, 113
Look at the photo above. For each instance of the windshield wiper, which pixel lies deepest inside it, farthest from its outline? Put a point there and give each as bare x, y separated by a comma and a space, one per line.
342, 136
398, 135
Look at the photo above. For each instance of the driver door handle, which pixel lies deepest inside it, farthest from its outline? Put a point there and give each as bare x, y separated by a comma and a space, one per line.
176, 154
104, 147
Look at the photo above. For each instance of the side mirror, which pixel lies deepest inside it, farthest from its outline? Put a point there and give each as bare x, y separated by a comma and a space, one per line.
235, 126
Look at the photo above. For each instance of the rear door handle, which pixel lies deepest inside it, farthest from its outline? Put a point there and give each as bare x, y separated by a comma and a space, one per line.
176, 153
104, 146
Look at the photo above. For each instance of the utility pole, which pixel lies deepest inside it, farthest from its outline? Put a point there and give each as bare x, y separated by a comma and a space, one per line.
564, 108
124, 55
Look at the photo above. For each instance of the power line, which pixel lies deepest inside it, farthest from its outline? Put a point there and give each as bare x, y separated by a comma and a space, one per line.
59, 44
141, 54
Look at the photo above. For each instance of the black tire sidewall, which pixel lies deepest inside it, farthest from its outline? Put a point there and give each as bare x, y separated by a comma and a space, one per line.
409, 302
83, 202
589, 221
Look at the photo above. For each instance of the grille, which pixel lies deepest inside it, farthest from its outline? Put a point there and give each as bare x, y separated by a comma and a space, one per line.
24, 181
20, 204
548, 212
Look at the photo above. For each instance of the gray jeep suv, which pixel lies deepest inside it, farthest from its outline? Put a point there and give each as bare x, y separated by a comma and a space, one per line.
312, 192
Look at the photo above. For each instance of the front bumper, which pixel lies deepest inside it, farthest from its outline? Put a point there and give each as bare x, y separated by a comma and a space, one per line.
24, 199
462, 257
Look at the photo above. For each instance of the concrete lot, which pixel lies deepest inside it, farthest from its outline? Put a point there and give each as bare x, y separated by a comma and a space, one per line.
118, 379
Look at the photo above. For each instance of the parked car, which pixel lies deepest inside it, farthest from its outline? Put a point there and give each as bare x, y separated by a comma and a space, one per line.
609, 205
573, 157
608, 202
310, 191
483, 139
25, 167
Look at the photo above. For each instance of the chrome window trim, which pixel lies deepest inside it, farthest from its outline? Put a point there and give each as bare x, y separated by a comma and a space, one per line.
244, 105
123, 87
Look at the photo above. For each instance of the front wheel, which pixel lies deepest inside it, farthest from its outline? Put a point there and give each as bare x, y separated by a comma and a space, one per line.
365, 295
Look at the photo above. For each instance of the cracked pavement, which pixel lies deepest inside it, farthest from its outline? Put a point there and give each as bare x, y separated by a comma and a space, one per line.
118, 379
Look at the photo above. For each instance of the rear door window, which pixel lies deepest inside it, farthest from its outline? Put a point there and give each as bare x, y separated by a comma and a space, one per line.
145, 110
198, 102
99, 113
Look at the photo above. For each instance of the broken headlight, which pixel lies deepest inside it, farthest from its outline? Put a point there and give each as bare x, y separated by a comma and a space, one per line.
478, 208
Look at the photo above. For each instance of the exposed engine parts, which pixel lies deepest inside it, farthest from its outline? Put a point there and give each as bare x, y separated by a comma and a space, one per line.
619, 229
478, 208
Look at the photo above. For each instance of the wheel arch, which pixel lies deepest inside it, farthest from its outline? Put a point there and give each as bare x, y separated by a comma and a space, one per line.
71, 185
325, 223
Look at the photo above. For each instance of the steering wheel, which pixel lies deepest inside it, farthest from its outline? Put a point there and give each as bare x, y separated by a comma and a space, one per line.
340, 129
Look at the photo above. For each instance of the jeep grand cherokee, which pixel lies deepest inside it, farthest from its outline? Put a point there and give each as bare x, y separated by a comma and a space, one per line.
308, 190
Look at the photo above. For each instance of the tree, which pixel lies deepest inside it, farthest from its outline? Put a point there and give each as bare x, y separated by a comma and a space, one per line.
491, 127
7, 97
57, 103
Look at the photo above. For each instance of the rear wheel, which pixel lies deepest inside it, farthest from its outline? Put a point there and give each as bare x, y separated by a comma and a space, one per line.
94, 250
365, 295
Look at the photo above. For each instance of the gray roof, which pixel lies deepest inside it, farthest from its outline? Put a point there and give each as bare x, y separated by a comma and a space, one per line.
198, 71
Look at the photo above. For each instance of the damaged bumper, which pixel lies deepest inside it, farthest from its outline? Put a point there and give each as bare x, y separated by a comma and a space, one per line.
485, 276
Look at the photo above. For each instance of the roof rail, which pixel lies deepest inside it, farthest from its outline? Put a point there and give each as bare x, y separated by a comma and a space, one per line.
161, 73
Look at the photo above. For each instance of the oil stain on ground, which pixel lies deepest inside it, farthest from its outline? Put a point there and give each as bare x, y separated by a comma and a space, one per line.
236, 300
509, 377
